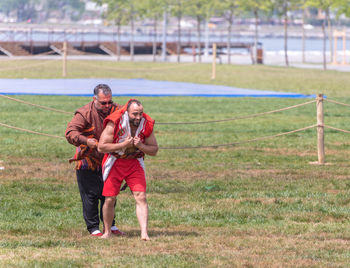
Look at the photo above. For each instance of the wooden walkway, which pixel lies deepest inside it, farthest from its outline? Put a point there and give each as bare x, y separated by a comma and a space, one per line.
29, 48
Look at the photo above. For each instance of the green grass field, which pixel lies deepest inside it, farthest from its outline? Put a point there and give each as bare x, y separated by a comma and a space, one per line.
256, 204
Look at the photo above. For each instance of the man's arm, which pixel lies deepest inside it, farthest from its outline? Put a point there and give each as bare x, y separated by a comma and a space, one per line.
74, 132
106, 144
150, 147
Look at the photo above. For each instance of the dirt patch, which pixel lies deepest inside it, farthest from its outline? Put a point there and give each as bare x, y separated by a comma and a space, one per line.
24, 168
288, 151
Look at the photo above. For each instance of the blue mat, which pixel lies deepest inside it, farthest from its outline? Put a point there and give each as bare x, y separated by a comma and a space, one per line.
130, 87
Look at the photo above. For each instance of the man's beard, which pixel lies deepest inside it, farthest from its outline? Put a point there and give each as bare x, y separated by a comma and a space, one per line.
105, 112
134, 122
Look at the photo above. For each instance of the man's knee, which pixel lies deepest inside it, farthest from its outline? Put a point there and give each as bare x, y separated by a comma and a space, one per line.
110, 201
140, 197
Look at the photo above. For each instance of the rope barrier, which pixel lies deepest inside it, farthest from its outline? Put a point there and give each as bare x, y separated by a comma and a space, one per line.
213, 121
36, 105
31, 131
177, 148
177, 123
238, 142
337, 102
338, 129
239, 117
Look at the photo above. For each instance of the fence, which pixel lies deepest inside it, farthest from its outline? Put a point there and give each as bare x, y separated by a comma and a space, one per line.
319, 125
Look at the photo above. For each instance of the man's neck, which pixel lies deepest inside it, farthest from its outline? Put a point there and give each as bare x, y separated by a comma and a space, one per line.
133, 130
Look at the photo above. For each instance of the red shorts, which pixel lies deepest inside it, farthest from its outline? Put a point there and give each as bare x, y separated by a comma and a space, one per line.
129, 170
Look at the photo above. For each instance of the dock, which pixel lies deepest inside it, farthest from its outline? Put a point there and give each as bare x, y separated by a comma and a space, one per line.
30, 48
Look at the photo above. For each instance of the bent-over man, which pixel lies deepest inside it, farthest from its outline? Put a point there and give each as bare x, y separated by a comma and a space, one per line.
84, 131
127, 137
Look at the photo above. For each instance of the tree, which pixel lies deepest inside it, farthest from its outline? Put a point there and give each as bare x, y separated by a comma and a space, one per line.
25, 9
120, 10
72, 9
342, 7
117, 14
198, 9
130, 8
324, 5
227, 9
256, 7
283, 7
152, 9
303, 32
177, 10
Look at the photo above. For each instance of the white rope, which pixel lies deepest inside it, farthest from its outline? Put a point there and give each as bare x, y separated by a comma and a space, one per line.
31, 131
338, 129
337, 102
36, 105
239, 117
238, 142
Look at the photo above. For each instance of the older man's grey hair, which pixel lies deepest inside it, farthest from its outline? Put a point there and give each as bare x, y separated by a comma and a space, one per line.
102, 88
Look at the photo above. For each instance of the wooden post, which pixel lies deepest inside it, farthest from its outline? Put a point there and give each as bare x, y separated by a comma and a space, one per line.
320, 129
64, 70
344, 48
213, 73
194, 52
335, 48
337, 34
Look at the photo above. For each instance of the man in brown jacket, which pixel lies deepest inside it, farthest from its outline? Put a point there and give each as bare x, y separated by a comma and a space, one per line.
84, 132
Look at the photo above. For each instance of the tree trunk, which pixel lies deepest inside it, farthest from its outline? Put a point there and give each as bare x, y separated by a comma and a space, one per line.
178, 46
199, 38
229, 42
330, 35
286, 38
324, 44
118, 38
206, 49
303, 37
154, 46
165, 30
256, 15
132, 37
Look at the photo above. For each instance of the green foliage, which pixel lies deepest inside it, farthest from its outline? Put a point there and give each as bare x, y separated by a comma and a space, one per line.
260, 6
152, 9
342, 7
322, 4
25, 9
117, 11
282, 7
198, 9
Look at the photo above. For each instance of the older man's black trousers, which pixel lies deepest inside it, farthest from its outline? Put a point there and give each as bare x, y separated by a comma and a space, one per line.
90, 185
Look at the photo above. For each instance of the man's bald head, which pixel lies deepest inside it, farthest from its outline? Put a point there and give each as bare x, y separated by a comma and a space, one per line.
135, 112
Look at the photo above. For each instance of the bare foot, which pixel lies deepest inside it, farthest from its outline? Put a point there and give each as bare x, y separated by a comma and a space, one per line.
106, 235
145, 238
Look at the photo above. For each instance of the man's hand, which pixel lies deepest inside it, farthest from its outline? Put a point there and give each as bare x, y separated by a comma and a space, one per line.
92, 143
137, 142
129, 142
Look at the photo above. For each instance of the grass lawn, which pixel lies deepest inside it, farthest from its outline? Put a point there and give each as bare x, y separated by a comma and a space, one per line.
257, 204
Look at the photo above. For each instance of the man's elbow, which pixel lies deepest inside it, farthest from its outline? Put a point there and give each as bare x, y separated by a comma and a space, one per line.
155, 151
101, 148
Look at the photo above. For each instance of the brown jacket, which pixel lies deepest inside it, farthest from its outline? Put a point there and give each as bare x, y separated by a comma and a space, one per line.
86, 123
